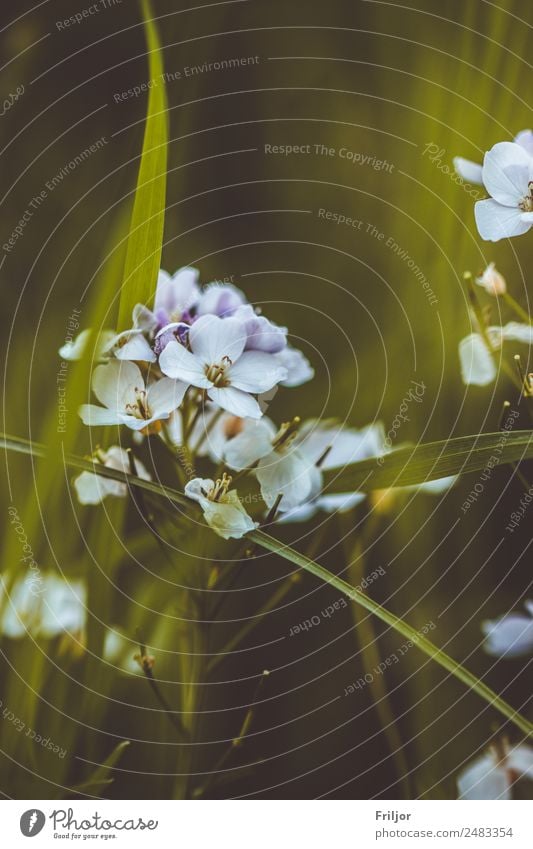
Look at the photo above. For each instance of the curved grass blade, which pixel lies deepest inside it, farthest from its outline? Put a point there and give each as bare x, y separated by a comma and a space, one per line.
275, 546
417, 464
145, 241
399, 625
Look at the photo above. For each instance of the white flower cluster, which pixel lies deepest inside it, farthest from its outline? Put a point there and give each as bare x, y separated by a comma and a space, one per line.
196, 371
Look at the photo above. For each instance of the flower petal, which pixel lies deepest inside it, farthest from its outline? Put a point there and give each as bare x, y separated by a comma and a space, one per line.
94, 416
496, 222
134, 348
236, 401
256, 372
509, 636
221, 300
228, 518
250, 445
92, 489
63, 606
506, 169
492, 281
178, 293
197, 488
477, 364
114, 384
177, 362
339, 501
298, 367
470, 171
212, 339
347, 445
514, 331
262, 334
165, 395
484, 779
525, 139
288, 474
520, 760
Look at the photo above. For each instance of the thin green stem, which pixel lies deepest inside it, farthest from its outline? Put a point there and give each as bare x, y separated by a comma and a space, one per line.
515, 306
369, 646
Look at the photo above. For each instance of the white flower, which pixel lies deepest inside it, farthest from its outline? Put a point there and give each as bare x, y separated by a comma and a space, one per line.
44, 606
223, 511
492, 281
299, 369
510, 635
472, 172
507, 176
218, 363
493, 774
120, 387
74, 349
92, 488
281, 468
477, 364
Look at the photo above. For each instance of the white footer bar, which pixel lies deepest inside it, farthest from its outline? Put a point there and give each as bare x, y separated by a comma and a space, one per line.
268, 824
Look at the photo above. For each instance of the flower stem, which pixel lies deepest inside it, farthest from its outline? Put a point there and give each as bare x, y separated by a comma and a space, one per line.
369, 646
520, 311
146, 666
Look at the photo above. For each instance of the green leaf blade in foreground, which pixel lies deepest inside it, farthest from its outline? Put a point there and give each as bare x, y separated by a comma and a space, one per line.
430, 461
302, 561
145, 241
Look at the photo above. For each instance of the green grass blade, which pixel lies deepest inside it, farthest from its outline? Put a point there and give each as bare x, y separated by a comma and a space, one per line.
271, 544
145, 242
417, 464
399, 625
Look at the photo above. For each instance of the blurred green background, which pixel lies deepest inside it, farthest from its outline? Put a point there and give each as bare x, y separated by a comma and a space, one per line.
380, 80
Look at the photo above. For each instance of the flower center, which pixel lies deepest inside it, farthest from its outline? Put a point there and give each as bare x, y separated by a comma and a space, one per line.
526, 204
216, 373
140, 409
286, 434
220, 489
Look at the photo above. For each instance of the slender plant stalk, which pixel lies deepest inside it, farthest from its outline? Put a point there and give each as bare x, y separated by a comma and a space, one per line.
271, 544
249, 626
370, 655
520, 311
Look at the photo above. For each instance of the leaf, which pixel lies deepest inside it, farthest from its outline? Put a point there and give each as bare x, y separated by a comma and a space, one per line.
271, 544
432, 460
145, 241
100, 775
